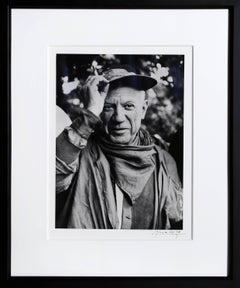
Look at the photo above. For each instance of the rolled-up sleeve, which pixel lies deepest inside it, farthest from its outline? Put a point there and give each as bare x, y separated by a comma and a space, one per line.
69, 145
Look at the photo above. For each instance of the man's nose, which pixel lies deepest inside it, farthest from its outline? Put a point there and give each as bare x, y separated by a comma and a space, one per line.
119, 115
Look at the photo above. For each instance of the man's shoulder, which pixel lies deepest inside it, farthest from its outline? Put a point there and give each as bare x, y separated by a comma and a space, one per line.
168, 163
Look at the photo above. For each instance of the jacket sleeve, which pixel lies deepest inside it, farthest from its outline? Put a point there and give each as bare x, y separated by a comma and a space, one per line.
174, 197
69, 145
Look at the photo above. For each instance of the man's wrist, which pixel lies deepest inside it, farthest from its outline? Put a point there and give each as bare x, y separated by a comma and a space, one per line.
94, 110
86, 123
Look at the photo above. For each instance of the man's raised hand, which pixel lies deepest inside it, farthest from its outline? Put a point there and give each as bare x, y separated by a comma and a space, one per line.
95, 91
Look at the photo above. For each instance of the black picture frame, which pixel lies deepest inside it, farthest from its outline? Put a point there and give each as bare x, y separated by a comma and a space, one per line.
233, 278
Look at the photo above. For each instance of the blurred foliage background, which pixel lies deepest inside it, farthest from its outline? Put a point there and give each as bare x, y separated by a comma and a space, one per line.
165, 113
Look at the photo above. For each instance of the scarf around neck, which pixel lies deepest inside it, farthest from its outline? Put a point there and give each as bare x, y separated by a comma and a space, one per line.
131, 165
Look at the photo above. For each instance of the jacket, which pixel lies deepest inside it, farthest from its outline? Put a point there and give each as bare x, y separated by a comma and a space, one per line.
85, 190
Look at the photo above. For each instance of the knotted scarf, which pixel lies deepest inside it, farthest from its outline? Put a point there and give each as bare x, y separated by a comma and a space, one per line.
131, 165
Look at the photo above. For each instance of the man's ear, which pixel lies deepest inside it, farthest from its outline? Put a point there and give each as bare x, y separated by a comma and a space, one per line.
144, 108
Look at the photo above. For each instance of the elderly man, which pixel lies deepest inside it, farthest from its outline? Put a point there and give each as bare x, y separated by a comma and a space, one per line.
109, 172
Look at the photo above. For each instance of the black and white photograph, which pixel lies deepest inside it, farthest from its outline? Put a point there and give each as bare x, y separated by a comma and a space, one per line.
119, 141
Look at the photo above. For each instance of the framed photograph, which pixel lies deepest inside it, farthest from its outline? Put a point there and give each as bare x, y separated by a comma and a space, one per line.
169, 105
122, 136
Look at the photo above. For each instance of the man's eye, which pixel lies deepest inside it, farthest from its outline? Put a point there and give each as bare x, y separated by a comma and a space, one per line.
107, 108
129, 106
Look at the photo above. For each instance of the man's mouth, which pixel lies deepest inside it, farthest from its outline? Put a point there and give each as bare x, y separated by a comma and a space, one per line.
115, 130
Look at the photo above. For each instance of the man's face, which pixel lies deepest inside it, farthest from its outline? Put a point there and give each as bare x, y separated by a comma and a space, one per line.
123, 111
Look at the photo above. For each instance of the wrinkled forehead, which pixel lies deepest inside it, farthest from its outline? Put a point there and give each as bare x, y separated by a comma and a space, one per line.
126, 94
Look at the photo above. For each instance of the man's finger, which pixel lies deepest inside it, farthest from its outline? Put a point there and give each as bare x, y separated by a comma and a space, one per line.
98, 82
88, 79
96, 79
